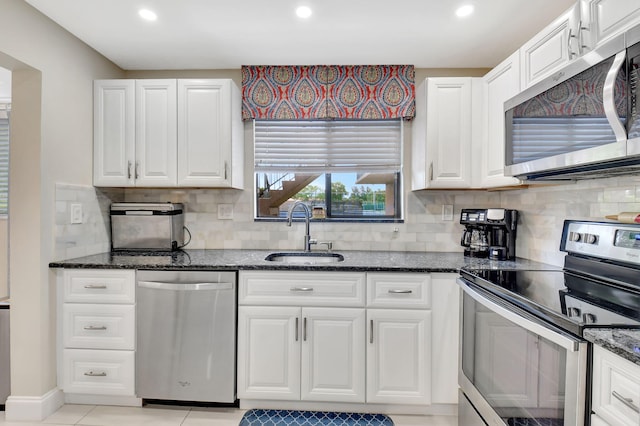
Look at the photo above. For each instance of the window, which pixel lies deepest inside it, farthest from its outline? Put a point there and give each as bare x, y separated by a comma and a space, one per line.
347, 170
4, 163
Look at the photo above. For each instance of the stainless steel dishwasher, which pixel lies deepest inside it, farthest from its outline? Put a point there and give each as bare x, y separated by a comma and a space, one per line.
186, 336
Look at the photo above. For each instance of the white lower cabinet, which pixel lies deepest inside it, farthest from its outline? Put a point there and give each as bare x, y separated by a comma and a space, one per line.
310, 336
295, 345
332, 354
399, 356
99, 372
597, 421
97, 329
615, 396
268, 352
292, 353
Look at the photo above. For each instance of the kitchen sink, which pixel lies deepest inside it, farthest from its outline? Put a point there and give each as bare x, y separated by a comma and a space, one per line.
305, 258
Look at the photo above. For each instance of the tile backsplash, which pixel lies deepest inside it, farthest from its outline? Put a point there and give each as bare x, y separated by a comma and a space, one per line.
93, 234
542, 207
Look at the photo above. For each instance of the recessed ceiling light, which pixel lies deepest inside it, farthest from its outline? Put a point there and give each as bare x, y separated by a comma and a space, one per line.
147, 14
465, 10
303, 12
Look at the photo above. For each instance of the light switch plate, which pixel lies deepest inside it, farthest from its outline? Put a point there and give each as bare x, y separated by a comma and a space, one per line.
447, 212
225, 211
76, 213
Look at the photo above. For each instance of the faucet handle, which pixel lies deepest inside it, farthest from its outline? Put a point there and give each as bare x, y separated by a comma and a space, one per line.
329, 244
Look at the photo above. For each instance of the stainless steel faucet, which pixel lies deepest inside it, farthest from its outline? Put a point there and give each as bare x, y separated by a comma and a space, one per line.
307, 216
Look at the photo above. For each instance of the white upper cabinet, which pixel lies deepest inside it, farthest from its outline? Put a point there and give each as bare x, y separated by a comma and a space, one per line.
156, 137
113, 132
553, 47
167, 133
442, 133
209, 134
499, 85
611, 17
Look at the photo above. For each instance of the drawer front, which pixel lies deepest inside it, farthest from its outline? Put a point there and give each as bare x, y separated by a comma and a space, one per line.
616, 388
99, 286
98, 372
93, 326
398, 290
301, 288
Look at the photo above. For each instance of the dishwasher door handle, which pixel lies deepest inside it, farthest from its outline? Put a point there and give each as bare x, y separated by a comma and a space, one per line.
156, 285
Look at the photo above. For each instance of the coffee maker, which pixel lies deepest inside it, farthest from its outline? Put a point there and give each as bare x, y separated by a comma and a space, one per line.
489, 233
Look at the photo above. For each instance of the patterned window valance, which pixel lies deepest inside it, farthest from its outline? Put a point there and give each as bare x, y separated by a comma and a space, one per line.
317, 92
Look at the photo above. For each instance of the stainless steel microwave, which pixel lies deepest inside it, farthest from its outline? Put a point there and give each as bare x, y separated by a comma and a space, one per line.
581, 122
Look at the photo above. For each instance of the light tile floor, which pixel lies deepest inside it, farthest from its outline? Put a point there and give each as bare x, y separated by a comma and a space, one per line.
90, 415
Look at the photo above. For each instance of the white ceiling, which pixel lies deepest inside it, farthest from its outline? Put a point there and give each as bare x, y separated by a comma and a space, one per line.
210, 34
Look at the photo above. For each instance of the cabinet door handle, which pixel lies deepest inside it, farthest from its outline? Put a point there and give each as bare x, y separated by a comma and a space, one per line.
95, 328
301, 289
628, 402
370, 331
129, 170
225, 170
581, 45
304, 329
296, 332
137, 170
93, 374
430, 171
569, 52
400, 291
95, 286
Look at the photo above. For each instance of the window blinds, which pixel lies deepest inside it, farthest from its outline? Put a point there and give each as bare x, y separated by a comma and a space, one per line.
328, 146
4, 166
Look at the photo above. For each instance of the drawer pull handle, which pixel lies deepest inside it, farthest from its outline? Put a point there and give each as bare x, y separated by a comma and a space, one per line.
92, 374
399, 291
95, 286
626, 401
94, 328
301, 288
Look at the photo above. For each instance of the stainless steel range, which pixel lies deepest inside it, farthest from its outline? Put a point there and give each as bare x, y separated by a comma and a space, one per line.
523, 359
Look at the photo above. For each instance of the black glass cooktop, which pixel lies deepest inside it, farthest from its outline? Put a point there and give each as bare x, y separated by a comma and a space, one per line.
569, 301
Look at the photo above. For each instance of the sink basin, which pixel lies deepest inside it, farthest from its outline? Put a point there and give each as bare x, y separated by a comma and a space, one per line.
305, 258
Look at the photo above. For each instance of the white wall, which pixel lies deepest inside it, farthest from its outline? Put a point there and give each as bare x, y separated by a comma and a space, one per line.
51, 142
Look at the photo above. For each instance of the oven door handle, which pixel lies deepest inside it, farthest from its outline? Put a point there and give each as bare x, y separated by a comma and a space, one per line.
522, 318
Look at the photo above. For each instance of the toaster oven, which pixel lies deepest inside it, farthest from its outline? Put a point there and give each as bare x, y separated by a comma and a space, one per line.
147, 226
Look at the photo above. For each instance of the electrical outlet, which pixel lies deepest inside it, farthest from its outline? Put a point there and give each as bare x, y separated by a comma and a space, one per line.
76, 213
225, 211
447, 212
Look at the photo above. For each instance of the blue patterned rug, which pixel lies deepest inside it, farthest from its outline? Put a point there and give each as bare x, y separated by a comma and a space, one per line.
311, 418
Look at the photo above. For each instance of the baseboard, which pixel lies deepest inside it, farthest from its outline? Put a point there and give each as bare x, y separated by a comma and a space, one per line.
425, 410
33, 408
77, 398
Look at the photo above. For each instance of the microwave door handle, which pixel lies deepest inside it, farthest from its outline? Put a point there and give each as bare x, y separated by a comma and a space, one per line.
522, 319
608, 97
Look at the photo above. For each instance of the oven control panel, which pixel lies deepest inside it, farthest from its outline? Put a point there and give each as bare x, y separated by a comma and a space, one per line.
587, 313
603, 240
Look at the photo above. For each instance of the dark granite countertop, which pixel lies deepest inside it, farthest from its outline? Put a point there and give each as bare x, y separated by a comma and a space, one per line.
255, 259
621, 341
